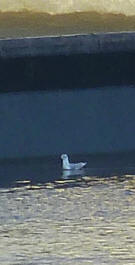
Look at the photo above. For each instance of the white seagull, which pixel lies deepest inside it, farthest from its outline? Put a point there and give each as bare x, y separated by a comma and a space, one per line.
66, 165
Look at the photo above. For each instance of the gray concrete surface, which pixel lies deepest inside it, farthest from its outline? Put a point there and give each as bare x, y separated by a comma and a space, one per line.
75, 122
87, 103
68, 45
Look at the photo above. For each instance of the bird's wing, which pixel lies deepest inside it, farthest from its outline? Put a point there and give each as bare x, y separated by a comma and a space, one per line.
77, 165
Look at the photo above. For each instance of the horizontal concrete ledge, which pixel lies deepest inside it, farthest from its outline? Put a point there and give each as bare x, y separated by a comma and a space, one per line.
94, 43
67, 62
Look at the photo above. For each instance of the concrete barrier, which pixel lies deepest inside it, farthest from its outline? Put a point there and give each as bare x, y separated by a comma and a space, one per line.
94, 43
87, 100
67, 62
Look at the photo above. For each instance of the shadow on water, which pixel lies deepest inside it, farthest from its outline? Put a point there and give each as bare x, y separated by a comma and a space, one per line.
46, 172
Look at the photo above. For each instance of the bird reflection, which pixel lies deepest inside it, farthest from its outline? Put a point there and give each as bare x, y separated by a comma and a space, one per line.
72, 173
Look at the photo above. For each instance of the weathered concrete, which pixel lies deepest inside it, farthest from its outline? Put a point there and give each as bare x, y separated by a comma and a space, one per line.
68, 45
87, 103
67, 62
76, 122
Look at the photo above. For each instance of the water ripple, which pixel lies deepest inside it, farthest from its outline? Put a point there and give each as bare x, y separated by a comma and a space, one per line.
88, 220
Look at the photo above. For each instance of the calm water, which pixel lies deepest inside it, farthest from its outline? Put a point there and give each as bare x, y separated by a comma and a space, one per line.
78, 219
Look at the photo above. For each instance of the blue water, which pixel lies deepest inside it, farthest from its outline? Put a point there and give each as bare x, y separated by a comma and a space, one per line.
59, 218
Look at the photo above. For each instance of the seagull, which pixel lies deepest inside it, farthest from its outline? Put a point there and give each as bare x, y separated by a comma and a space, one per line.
71, 166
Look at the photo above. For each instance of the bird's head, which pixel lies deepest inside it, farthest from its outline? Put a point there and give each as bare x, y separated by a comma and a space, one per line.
64, 156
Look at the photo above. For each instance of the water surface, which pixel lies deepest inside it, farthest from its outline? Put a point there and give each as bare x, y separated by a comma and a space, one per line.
78, 219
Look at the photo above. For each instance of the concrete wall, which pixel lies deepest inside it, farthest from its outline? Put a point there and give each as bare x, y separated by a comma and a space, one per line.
83, 121
94, 43
75, 95
67, 62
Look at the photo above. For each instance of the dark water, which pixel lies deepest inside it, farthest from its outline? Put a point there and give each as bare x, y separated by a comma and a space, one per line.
63, 218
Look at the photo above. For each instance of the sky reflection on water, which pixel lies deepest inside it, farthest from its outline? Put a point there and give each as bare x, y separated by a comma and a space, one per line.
85, 220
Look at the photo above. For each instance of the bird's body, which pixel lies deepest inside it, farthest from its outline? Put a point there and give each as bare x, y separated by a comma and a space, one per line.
66, 165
